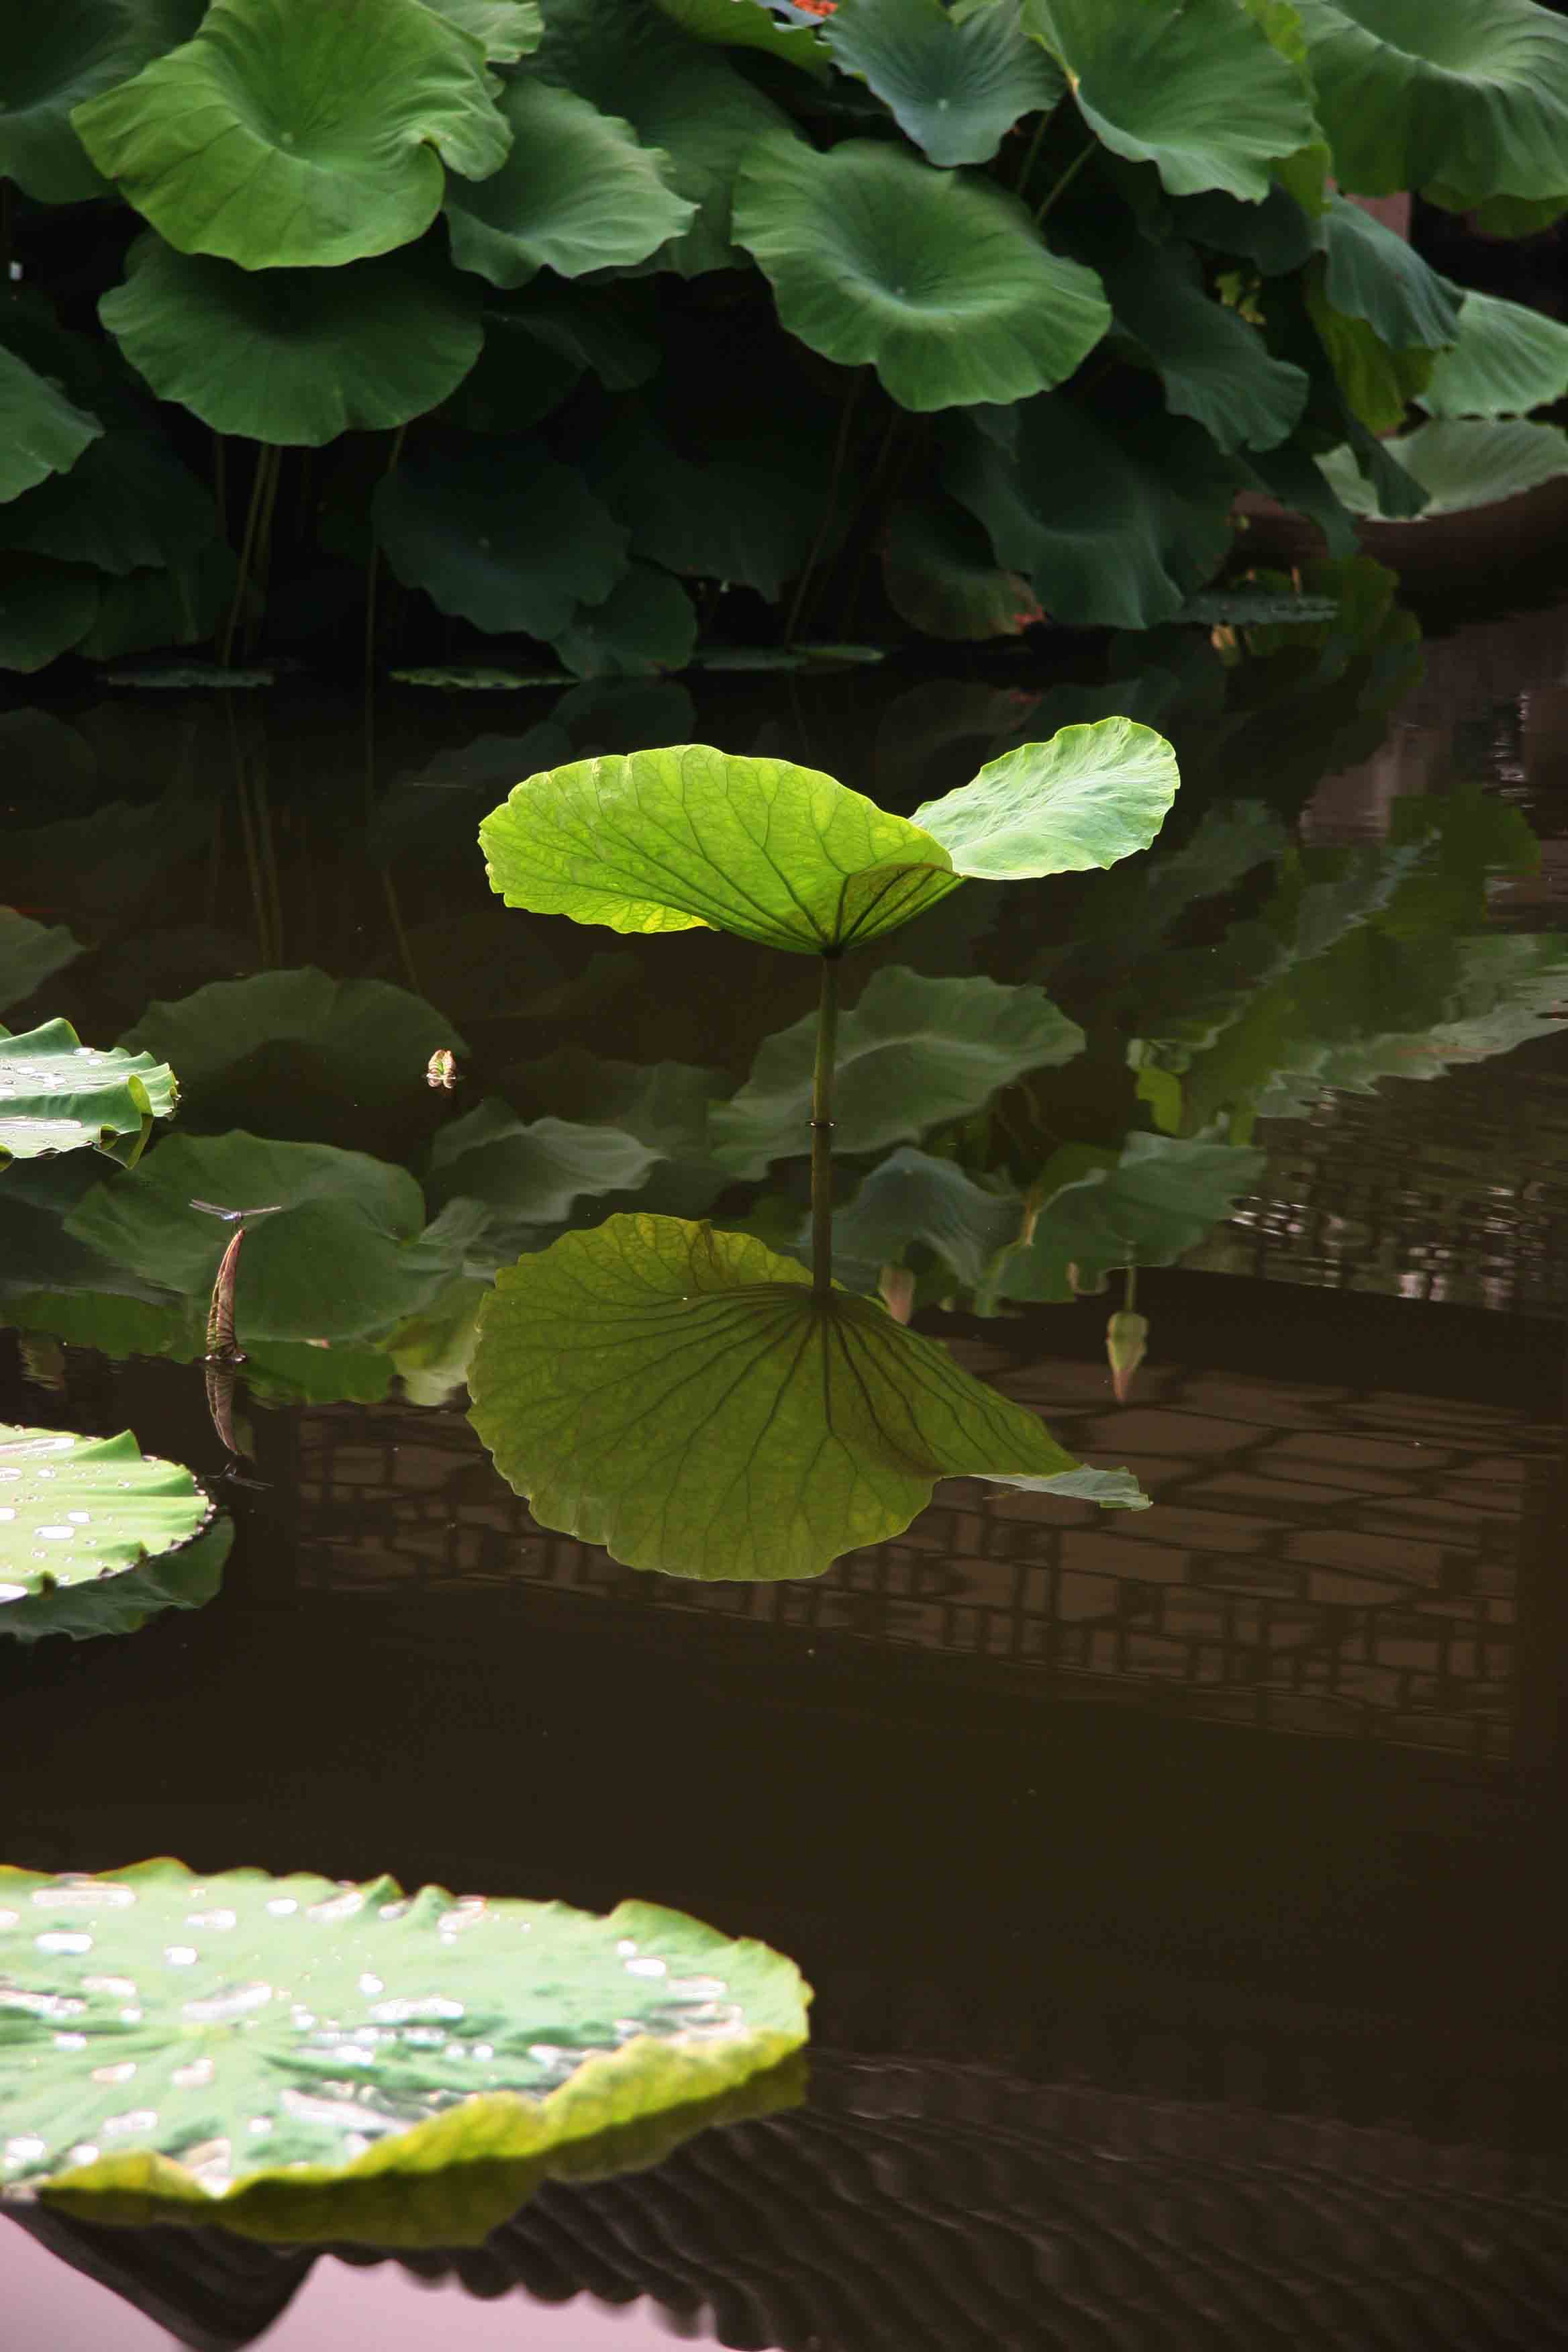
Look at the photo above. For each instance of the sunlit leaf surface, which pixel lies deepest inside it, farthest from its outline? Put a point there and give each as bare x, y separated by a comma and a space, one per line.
59, 1095
95, 1536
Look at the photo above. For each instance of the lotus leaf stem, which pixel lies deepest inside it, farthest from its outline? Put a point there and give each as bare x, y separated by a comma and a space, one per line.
822, 1130
1052, 195
830, 503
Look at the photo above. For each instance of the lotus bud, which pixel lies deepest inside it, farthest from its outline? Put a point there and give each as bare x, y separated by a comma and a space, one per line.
1126, 1344
897, 1286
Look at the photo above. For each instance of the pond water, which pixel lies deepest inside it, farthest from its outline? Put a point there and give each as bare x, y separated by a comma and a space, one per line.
1182, 1889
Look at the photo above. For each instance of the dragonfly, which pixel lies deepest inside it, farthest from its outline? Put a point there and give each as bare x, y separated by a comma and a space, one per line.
221, 1348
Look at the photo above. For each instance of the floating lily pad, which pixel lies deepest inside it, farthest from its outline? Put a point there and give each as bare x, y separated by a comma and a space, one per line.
684, 1398
31, 953
53, 54
1507, 360
512, 542
190, 677
95, 1537
59, 1095
295, 357
480, 678
288, 135
492, 2044
912, 1054
955, 85
41, 431
940, 282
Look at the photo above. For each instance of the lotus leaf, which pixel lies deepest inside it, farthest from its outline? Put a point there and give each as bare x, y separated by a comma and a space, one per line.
126, 505
178, 604
55, 53
1115, 520
1148, 1207
680, 97
1089, 797
41, 431
1507, 360
750, 519
1275, 235
59, 1095
1194, 87
297, 357
533, 1174
1298, 482
673, 839
1215, 368
512, 541
955, 85
1374, 384
492, 2043
347, 1257
910, 1054
478, 677
910, 1197
1461, 463
30, 953
749, 25
1465, 102
95, 1537
940, 282
940, 575
1373, 274
576, 193
287, 135
648, 623
505, 29
683, 1397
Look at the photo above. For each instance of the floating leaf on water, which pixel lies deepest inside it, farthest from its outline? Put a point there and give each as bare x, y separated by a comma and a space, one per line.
95, 1537
59, 1095
313, 2060
190, 677
480, 677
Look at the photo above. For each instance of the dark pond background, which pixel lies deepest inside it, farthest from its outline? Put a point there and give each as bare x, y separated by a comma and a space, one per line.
1183, 1891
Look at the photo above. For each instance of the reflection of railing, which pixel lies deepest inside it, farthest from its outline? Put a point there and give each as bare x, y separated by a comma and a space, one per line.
1335, 1561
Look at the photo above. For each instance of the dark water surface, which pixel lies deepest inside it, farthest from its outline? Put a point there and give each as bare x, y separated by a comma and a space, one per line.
1183, 1891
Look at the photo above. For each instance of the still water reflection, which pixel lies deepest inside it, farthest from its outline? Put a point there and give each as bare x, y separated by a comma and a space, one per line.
1240, 1813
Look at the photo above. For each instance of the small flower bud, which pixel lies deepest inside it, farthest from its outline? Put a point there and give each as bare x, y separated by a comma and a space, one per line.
1126, 1344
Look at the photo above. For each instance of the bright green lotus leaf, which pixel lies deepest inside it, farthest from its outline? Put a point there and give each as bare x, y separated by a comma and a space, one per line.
681, 96
955, 85
533, 1174
1507, 360
294, 357
682, 1397
510, 540
1194, 87
95, 1536
912, 1054
910, 1197
45, 610
1463, 101
54, 54
576, 193
673, 839
1113, 519
1214, 367
493, 2044
940, 282
1461, 463
505, 29
41, 431
751, 24
346, 1254
59, 1095
1091, 796
646, 624
31, 953
126, 505
360, 1040
1161, 1198
940, 575
289, 136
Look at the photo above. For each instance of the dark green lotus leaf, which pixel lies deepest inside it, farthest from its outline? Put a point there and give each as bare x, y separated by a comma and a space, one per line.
1298, 482
664, 1105
1150, 1206
95, 1536
493, 2044
1374, 275
178, 604
126, 505
955, 85
41, 431
54, 54
681, 96
940, 575
360, 1039
1214, 367
1194, 87
673, 839
1275, 235
533, 1174
646, 624
682, 1397
1461, 463
1114, 520
299, 357
507, 538
912, 1054
288, 135
505, 29
59, 1095
347, 1255
45, 610
31, 953
1506, 361
539, 345
938, 281
750, 517
1465, 102
576, 193
910, 1197
1089, 796
751, 24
